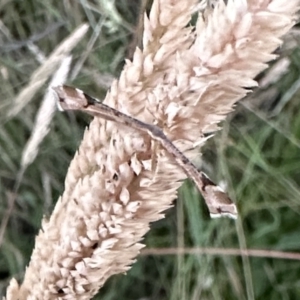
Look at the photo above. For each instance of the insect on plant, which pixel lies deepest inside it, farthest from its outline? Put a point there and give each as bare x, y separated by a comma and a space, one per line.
217, 201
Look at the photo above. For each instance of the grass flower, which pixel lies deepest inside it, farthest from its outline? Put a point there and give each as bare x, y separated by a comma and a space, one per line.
186, 80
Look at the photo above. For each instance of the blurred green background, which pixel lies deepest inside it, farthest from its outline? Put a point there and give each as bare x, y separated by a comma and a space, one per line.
256, 155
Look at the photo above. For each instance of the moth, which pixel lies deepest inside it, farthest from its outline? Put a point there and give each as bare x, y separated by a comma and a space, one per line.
217, 201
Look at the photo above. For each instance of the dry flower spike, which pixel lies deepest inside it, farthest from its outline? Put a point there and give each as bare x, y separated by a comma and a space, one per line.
185, 80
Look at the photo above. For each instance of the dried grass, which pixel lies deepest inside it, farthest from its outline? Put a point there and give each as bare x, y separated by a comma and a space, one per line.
45, 114
185, 81
41, 75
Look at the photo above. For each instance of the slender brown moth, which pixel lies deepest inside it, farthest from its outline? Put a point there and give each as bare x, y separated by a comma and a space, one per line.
219, 204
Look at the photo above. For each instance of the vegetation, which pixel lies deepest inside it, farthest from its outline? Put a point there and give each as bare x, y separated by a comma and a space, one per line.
256, 155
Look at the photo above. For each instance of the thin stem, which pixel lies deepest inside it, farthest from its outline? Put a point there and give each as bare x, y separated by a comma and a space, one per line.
222, 252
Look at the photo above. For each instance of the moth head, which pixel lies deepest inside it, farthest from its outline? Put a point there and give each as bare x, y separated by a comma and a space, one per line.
69, 98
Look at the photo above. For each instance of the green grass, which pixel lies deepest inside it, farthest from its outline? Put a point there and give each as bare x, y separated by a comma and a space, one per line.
257, 155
